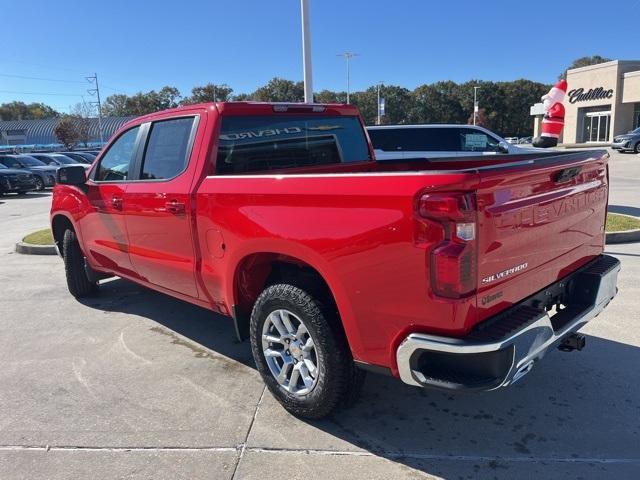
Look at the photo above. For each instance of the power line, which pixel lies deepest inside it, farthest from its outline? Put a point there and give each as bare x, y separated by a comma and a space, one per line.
41, 93
40, 78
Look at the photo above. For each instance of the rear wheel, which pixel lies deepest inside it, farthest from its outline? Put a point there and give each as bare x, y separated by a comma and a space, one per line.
78, 282
301, 353
636, 149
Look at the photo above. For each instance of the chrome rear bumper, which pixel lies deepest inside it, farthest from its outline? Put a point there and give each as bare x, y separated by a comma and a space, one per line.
503, 349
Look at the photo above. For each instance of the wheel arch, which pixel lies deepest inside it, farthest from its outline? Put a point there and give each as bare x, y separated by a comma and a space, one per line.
257, 270
59, 224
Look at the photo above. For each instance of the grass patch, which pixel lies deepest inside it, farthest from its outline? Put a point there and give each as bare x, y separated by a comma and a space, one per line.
41, 237
619, 223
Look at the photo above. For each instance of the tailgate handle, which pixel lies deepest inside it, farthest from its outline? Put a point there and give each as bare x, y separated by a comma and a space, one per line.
566, 174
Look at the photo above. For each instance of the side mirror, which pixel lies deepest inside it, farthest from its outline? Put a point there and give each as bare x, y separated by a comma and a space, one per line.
71, 175
503, 147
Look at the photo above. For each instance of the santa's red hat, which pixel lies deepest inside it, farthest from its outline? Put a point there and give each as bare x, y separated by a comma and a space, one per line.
558, 91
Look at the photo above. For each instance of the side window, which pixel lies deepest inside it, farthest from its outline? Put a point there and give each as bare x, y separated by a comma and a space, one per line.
429, 139
384, 139
167, 152
116, 162
472, 140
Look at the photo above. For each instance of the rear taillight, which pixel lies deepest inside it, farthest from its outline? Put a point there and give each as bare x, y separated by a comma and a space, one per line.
453, 260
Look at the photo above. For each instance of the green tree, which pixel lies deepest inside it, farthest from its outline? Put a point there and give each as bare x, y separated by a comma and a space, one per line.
584, 62
24, 111
328, 96
141, 103
115, 106
439, 102
209, 93
280, 90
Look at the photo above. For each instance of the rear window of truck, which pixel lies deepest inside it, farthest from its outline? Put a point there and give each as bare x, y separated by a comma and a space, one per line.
256, 144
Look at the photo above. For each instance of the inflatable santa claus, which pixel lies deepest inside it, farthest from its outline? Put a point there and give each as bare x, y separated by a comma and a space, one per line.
553, 121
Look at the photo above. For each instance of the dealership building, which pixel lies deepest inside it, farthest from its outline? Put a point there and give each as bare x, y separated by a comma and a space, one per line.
602, 101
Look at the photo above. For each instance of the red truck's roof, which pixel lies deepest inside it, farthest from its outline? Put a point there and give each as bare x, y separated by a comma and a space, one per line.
261, 108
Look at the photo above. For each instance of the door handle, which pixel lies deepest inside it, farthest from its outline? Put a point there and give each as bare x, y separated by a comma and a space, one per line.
116, 202
175, 207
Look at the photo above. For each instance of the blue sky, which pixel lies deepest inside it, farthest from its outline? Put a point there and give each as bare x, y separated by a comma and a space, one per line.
136, 45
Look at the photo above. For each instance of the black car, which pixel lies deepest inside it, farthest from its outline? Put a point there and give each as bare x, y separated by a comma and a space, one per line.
16, 181
56, 159
45, 175
82, 157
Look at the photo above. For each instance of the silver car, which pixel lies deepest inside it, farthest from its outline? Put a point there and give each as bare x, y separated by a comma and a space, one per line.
629, 142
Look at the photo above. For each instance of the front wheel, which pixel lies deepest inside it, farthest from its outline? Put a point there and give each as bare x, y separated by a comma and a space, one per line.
636, 149
301, 352
78, 281
39, 184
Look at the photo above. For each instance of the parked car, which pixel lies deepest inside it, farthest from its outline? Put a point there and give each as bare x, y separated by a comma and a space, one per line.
629, 142
431, 141
45, 174
332, 263
82, 157
57, 159
16, 181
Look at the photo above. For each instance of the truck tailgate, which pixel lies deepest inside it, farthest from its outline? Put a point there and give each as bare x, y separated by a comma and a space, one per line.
537, 222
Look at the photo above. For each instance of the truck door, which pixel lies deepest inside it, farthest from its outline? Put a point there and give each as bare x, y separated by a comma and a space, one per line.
158, 209
103, 227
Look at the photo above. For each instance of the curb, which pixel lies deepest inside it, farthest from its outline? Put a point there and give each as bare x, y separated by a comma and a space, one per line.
29, 249
624, 236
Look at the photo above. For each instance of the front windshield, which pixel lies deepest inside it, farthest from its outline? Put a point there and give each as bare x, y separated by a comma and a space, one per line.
32, 162
636, 131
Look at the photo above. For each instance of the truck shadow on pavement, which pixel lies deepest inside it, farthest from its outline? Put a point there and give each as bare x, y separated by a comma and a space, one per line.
575, 415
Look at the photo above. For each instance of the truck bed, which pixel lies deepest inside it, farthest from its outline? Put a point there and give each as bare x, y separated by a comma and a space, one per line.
356, 224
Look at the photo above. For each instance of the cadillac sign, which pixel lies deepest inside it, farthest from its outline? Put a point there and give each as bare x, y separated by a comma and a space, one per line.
579, 95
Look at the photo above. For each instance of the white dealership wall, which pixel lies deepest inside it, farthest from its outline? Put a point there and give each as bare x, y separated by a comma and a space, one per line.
607, 87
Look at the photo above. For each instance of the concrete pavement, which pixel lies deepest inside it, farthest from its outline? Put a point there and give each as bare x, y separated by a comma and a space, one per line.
133, 384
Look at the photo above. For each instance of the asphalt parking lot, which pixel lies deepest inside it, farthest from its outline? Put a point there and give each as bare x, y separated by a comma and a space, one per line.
133, 384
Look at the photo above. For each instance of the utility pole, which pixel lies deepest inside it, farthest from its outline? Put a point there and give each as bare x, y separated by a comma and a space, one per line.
306, 52
475, 104
348, 56
96, 92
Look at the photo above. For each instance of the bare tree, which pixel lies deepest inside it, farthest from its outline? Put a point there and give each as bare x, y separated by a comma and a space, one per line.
82, 114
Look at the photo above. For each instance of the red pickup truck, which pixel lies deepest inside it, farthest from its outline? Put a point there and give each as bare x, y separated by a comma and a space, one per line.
453, 273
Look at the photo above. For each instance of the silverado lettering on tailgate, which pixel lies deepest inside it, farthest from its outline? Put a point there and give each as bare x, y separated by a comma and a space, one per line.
538, 214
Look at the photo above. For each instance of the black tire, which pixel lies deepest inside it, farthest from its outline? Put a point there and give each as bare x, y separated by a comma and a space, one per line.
78, 282
338, 380
636, 149
39, 184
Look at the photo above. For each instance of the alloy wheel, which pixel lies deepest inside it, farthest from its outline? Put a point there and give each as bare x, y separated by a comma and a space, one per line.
290, 352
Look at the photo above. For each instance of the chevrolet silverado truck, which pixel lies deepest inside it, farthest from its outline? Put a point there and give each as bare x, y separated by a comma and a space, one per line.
452, 273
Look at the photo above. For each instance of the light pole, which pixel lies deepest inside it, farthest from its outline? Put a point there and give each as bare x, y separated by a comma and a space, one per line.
379, 113
348, 56
475, 104
306, 52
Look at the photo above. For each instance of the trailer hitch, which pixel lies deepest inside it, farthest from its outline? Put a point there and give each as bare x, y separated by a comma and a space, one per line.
575, 341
